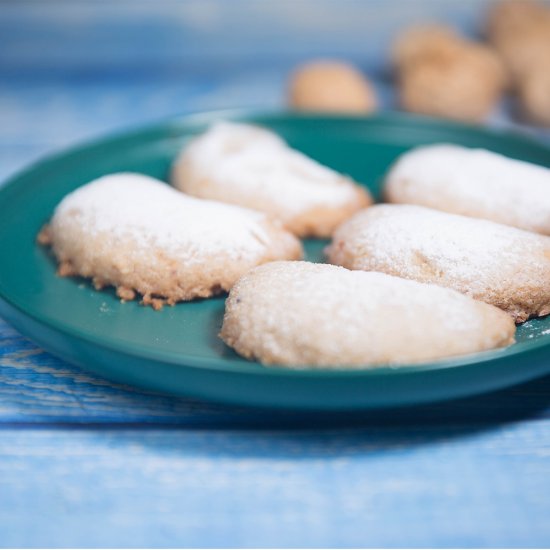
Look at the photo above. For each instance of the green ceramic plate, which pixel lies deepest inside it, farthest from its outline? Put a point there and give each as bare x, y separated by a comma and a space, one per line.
177, 349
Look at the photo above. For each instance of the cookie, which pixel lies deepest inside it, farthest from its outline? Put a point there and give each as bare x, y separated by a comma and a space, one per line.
141, 236
299, 314
473, 182
415, 44
520, 32
331, 86
503, 266
462, 85
534, 94
252, 167
443, 74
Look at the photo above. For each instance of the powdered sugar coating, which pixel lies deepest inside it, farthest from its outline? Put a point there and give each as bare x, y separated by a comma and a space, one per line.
138, 234
473, 182
495, 263
253, 167
145, 210
303, 314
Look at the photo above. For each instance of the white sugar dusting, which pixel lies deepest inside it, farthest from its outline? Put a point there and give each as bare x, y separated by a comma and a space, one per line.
473, 181
415, 241
309, 307
328, 287
375, 291
249, 159
147, 210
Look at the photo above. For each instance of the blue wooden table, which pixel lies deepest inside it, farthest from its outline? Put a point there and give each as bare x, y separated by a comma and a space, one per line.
84, 462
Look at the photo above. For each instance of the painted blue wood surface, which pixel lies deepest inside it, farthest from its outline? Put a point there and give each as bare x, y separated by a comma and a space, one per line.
361, 487
84, 462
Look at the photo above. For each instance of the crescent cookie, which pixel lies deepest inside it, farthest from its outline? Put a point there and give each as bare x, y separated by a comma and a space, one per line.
253, 167
300, 314
473, 182
140, 235
503, 266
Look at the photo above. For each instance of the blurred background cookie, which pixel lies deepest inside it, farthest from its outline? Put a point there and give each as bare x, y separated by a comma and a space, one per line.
331, 86
442, 74
417, 43
520, 32
534, 94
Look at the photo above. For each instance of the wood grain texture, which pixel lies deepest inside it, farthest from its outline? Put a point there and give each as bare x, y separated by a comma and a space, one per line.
84, 462
365, 487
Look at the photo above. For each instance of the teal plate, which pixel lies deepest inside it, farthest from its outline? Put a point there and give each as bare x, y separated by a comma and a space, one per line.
177, 350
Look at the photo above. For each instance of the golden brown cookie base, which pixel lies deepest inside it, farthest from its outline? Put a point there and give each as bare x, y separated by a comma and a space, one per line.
44, 237
321, 222
163, 281
128, 294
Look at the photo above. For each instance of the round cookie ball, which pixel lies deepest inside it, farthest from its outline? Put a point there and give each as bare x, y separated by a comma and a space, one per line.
525, 50
332, 86
462, 83
416, 43
507, 16
534, 95
520, 32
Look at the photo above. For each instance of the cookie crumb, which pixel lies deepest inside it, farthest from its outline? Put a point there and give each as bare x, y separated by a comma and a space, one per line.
155, 303
125, 294
44, 237
65, 269
98, 283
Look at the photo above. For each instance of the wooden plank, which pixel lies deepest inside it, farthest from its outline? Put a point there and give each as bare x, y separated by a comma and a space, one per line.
359, 488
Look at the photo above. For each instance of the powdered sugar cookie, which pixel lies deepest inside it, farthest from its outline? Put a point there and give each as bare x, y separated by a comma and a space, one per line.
140, 235
299, 314
497, 264
253, 167
473, 182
